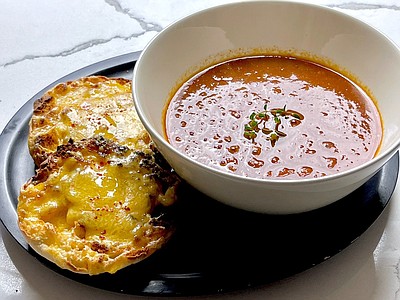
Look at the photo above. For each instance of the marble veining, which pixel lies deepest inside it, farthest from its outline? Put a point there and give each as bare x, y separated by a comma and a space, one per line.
397, 273
147, 26
358, 6
128, 10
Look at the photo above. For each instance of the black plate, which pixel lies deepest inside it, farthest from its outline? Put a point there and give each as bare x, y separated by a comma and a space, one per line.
215, 248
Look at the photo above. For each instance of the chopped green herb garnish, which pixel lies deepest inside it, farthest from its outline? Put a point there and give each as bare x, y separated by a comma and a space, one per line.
258, 121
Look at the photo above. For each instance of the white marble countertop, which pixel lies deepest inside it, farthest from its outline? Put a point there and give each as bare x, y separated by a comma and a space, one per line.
42, 41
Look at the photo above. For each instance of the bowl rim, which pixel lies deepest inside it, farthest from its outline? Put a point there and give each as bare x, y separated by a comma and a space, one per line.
380, 157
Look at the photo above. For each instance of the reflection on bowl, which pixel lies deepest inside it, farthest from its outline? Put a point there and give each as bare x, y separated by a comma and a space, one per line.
310, 32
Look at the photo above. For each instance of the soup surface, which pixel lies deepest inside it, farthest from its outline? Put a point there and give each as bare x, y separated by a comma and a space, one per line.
274, 117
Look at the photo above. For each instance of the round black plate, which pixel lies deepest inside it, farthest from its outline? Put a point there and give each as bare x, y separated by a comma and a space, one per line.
215, 248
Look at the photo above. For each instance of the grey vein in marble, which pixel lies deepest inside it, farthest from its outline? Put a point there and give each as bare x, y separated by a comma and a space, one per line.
73, 50
362, 6
145, 25
397, 273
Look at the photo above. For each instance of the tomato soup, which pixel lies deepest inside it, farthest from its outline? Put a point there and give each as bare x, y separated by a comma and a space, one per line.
274, 117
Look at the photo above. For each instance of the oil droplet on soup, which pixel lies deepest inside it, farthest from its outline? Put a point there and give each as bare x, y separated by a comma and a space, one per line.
274, 117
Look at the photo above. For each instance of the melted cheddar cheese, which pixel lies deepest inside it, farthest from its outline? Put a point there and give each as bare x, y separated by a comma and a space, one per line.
89, 207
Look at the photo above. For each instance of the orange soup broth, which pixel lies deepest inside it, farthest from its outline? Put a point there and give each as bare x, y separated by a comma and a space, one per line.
274, 117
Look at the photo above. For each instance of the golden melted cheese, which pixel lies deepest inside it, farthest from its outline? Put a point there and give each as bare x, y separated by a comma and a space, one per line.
80, 109
89, 207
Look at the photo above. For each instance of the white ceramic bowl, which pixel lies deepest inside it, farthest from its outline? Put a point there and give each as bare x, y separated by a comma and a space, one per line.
218, 33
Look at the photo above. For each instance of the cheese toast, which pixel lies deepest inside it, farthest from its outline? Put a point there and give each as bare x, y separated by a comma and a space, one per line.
95, 206
81, 109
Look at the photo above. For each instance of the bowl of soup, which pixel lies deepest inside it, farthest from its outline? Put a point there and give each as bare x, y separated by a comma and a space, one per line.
270, 106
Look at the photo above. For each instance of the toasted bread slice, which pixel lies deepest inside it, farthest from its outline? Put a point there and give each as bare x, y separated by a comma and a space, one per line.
81, 109
96, 206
